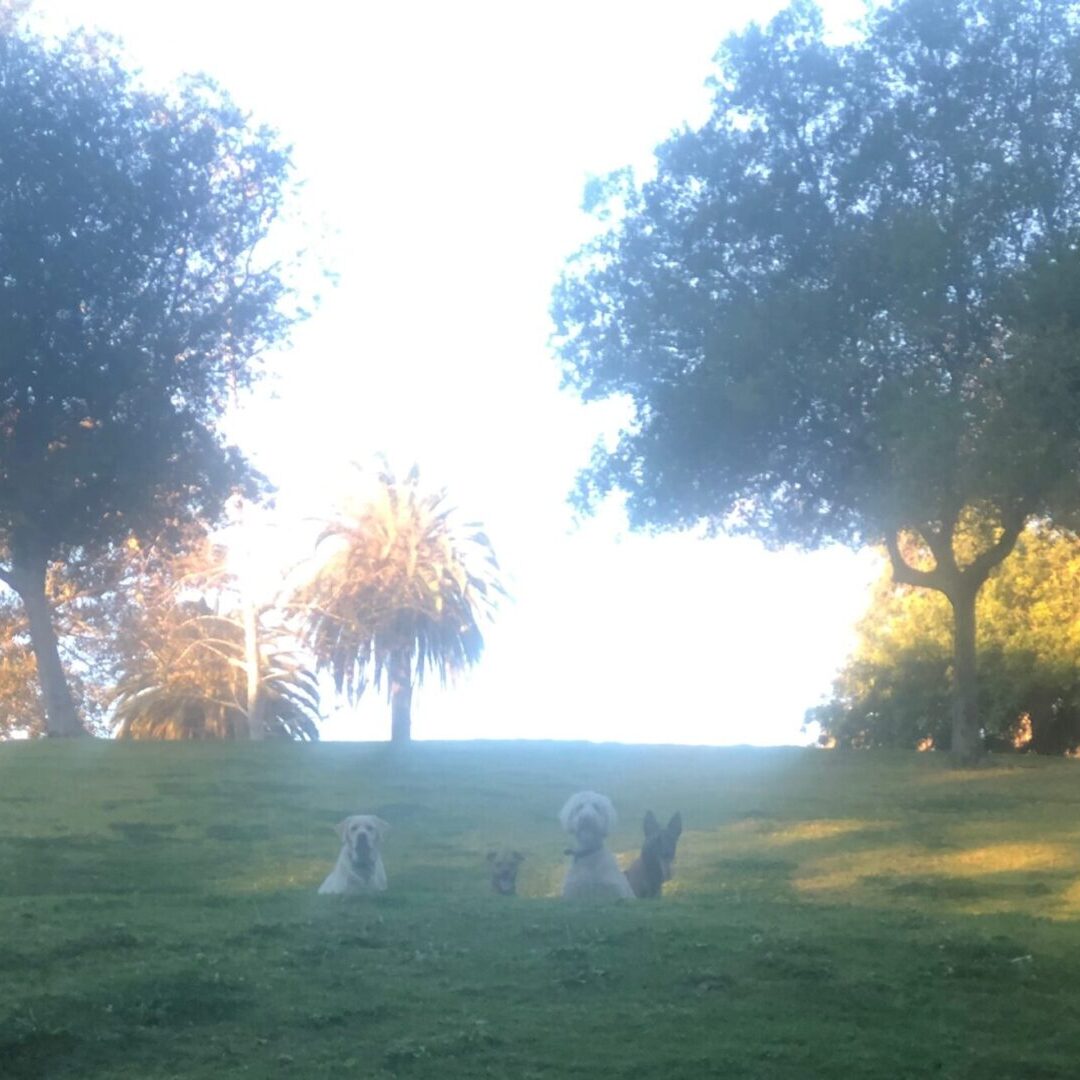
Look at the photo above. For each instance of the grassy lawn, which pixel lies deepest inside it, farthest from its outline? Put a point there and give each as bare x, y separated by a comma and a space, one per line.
834, 915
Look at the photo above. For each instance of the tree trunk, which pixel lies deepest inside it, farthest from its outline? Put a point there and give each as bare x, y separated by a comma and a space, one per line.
967, 740
401, 698
61, 718
961, 585
256, 699
253, 663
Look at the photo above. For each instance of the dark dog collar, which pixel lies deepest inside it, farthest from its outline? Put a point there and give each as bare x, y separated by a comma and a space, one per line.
581, 853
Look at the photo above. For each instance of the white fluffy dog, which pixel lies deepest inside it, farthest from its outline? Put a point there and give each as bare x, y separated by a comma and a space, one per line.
593, 872
359, 868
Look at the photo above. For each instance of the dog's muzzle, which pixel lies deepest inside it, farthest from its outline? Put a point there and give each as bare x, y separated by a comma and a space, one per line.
505, 884
360, 852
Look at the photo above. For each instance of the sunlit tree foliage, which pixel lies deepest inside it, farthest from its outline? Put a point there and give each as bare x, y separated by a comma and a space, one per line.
398, 590
184, 670
894, 689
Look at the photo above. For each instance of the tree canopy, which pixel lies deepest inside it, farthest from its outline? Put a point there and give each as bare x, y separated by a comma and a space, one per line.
847, 307
133, 301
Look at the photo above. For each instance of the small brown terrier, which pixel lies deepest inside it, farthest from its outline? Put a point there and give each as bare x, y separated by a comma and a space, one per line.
654, 865
504, 870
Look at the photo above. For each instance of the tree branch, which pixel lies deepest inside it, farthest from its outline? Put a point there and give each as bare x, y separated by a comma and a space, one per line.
980, 568
940, 542
904, 574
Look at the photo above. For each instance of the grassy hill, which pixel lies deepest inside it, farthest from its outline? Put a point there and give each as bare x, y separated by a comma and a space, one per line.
834, 915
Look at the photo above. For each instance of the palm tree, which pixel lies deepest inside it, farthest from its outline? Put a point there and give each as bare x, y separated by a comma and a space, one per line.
195, 656
398, 590
190, 681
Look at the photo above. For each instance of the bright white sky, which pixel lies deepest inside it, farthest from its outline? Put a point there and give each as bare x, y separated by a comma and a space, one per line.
444, 148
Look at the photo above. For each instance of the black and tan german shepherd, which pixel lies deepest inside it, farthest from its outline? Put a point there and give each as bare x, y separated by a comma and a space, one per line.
654, 865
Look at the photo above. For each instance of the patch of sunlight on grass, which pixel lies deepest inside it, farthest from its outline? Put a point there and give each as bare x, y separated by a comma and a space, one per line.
849, 872
1068, 903
750, 837
545, 882
296, 875
824, 829
956, 777
750, 826
995, 858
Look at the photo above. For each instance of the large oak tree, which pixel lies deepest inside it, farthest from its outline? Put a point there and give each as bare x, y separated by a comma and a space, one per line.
132, 302
847, 307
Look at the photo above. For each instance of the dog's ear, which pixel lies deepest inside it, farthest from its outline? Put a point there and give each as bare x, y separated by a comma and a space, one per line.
340, 828
382, 826
674, 826
651, 825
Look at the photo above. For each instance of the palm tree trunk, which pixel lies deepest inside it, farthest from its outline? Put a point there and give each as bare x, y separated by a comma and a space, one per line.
256, 703
61, 717
253, 663
401, 697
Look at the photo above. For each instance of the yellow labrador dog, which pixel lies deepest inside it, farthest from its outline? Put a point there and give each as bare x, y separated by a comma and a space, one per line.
359, 868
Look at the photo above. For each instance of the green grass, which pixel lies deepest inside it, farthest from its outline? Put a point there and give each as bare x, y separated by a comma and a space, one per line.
834, 915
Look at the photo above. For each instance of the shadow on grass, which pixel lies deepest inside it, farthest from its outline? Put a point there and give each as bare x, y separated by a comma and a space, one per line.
943, 887
182, 998
30, 1049
233, 833
74, 864
143, 832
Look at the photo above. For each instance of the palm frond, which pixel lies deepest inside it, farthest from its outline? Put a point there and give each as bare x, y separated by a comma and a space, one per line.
193, 684
401, 579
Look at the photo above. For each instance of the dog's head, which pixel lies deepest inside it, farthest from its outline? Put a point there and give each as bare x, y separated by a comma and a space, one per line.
659, 846
504, 869
588, 816
361, 835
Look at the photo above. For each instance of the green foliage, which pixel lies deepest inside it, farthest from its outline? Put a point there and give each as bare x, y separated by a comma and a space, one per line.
183, 668
400, 590
894, 689
832, 915
194, 684
845, 307
132, 302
